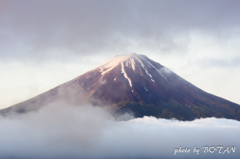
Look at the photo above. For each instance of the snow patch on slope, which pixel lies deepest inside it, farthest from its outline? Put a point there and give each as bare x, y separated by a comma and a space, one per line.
159, 71
144, 67
102, 81
113, 62
107, 70
125, 74
145, 88
132, 64
146, 71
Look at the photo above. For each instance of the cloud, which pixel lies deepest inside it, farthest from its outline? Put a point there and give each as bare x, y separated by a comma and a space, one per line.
207, 63
63, 30
64, 131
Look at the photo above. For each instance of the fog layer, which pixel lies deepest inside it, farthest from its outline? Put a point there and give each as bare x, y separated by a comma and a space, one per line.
64, 131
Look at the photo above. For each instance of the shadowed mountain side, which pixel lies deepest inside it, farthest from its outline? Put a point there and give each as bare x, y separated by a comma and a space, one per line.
136, 84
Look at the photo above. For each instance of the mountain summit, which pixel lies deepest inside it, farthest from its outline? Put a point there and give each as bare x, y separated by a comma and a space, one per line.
136, 84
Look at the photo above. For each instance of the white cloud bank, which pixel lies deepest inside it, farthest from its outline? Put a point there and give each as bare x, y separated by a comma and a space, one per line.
60, 131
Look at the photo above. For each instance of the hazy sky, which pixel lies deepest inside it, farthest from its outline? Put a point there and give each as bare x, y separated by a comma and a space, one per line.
45, 43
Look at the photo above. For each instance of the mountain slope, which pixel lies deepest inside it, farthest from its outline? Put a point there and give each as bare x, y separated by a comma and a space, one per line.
134, 83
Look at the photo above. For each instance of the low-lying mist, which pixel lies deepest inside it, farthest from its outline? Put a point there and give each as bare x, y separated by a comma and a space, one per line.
62, 131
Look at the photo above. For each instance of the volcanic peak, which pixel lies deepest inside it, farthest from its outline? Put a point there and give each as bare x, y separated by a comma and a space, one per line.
134, 83
129, 59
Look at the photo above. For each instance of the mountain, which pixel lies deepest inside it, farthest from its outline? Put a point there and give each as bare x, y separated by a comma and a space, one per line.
136, 84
